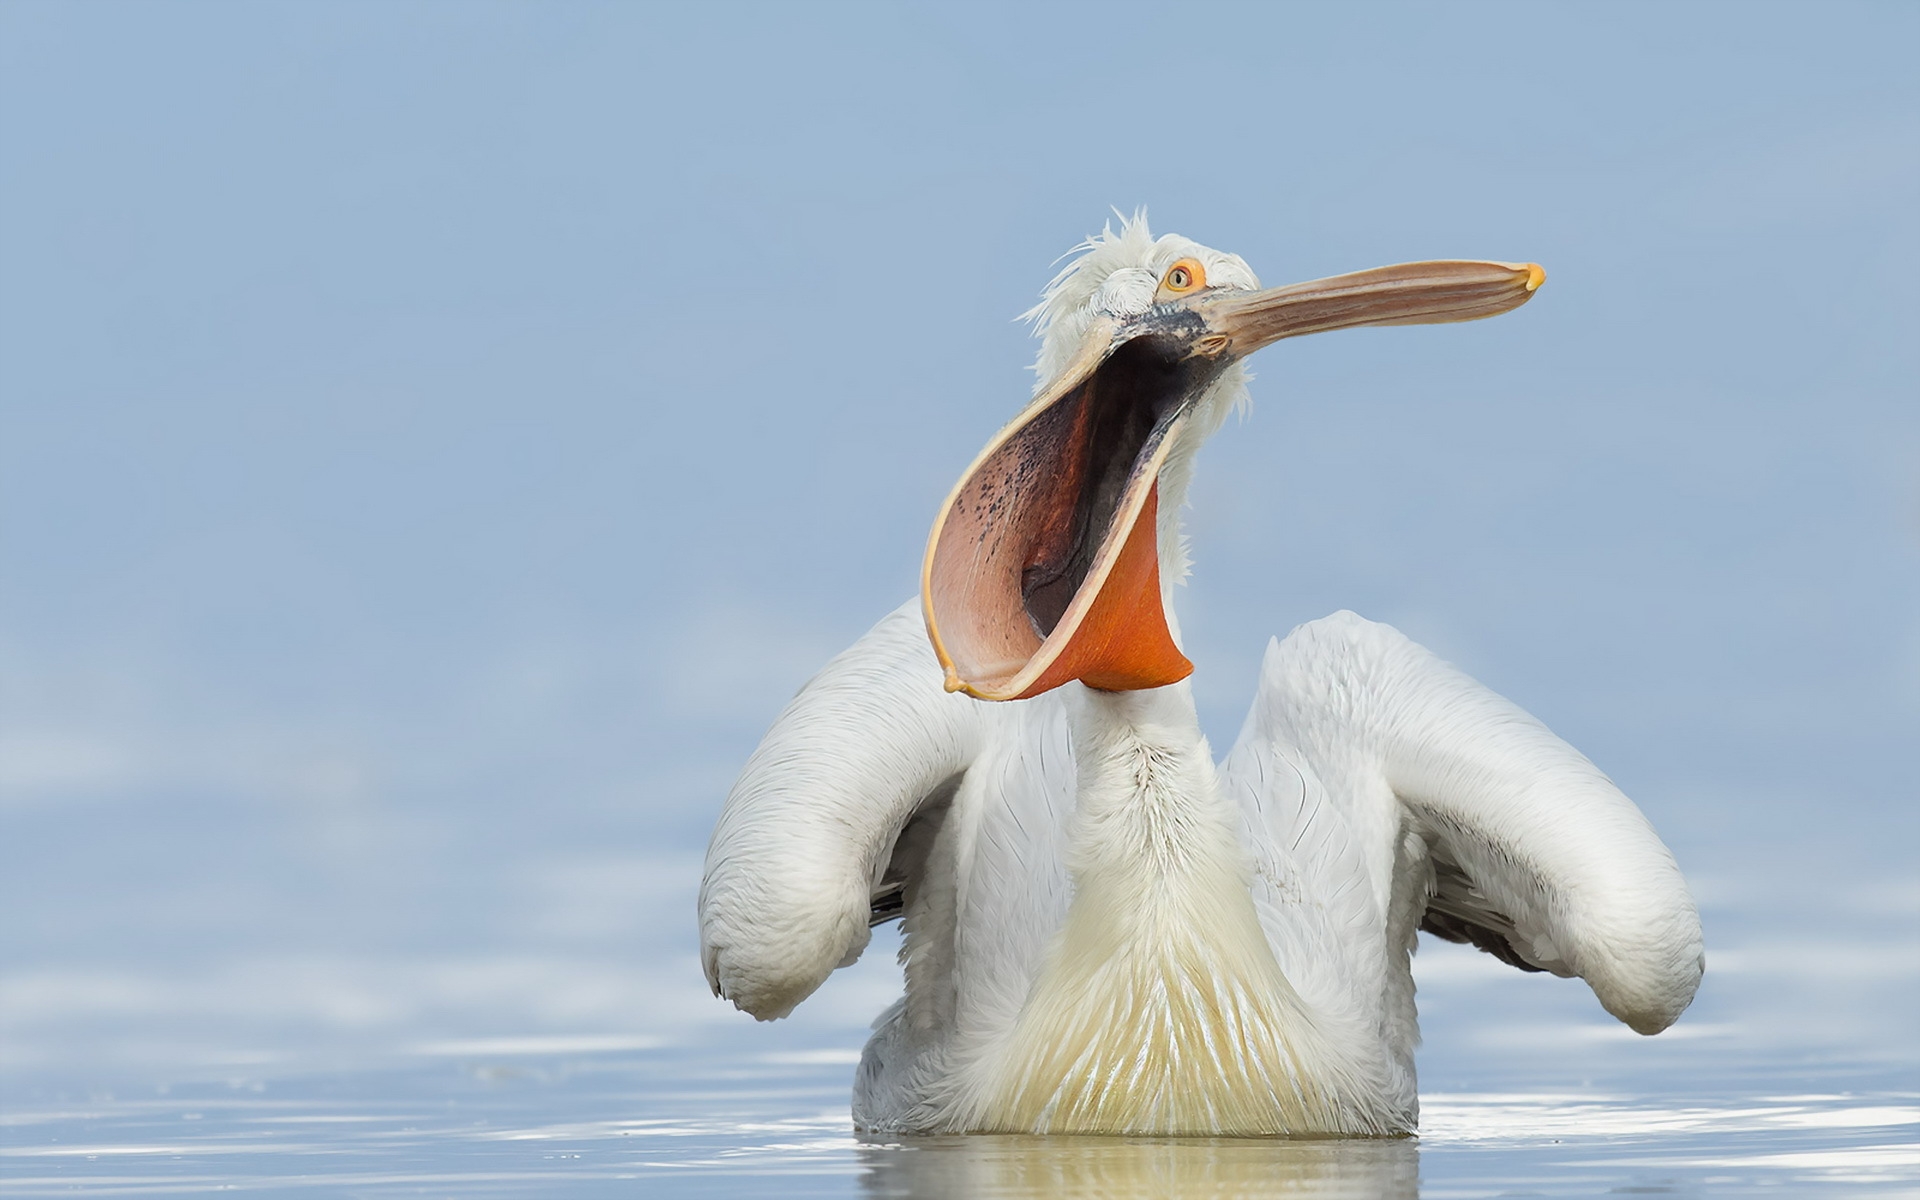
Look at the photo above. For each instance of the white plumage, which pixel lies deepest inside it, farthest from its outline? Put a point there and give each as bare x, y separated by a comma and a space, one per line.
1105, 932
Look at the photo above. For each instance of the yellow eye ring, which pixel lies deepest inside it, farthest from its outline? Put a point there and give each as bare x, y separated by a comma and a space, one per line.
1183, 277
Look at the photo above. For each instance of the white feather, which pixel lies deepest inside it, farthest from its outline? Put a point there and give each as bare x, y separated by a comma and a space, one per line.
1104, 932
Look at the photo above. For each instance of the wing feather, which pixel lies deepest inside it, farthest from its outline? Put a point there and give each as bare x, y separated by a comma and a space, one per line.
798, 865
1312, 875
1535, 855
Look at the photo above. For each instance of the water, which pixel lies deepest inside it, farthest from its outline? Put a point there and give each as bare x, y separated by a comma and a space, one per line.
1528, 1090
575, 1117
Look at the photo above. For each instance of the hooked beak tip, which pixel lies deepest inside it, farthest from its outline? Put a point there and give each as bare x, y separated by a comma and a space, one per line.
1536, 275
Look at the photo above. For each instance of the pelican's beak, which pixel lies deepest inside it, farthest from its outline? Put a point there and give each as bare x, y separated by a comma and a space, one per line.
1044, 564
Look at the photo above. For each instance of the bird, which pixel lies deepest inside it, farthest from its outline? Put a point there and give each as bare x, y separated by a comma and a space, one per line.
1104, 930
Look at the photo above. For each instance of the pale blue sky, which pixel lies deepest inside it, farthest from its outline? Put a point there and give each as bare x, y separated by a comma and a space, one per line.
436, 438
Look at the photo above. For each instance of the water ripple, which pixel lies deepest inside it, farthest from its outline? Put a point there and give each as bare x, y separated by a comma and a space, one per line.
590, 1116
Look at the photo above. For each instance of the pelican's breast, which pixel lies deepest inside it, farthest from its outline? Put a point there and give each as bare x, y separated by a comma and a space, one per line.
1160, 1008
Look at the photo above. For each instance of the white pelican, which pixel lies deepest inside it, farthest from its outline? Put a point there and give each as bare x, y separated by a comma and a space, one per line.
1105, 931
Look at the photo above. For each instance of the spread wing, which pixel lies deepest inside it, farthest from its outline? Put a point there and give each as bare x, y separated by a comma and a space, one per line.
1516, 842
813, 843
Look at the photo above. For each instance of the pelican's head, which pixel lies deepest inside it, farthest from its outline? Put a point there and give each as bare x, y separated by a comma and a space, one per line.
1045, 565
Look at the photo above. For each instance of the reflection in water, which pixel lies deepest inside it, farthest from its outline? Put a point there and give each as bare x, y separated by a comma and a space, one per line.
1008, 1167
586, 1118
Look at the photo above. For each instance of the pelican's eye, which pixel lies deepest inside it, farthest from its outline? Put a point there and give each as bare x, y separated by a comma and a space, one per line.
1183, 277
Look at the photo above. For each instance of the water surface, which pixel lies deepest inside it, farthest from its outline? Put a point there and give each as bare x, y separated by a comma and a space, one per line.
554, 1116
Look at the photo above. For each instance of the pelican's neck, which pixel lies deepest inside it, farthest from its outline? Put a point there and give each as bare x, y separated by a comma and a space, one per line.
1170, 538
1148, 813
1223, 396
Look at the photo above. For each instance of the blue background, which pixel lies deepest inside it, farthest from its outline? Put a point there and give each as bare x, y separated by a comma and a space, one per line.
435, 439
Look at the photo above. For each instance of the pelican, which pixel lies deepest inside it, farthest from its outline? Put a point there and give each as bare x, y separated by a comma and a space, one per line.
1104, 930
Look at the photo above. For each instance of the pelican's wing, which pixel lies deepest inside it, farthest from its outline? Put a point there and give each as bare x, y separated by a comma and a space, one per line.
799, 861
1532, 853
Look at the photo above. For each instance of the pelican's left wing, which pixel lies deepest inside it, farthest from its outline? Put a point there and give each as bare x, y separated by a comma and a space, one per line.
798, 863
1530, 852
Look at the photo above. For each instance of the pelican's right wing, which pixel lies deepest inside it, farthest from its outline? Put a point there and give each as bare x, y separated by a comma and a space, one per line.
1534, 855
795, 869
